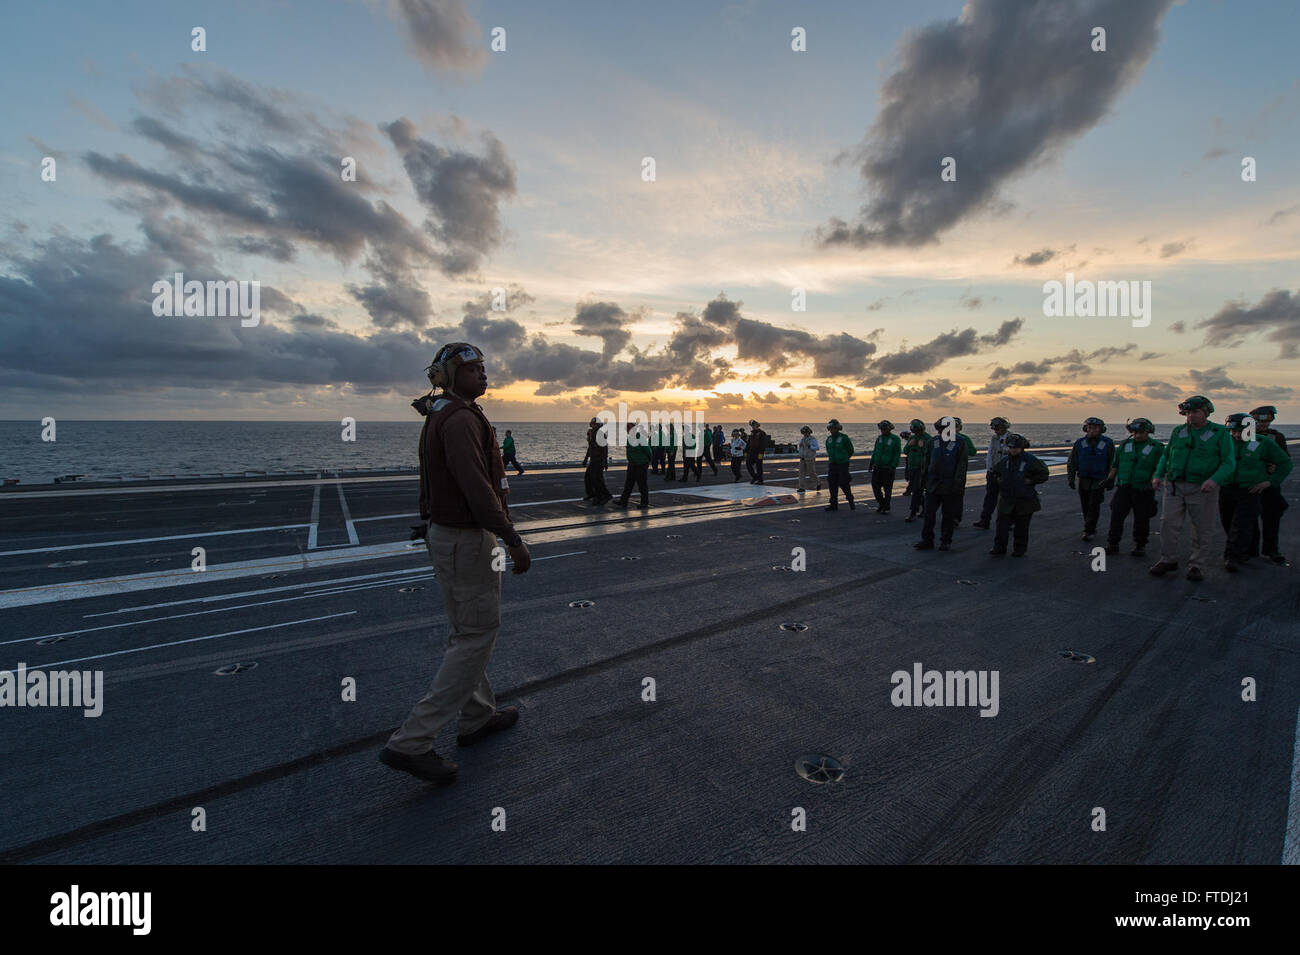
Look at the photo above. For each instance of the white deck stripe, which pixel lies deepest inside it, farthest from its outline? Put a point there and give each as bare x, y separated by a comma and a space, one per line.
315, 518
177, 643
1291, 845
347, 515
151, 540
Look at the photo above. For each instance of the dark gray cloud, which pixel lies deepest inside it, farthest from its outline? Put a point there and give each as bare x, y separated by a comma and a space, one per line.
1160, 391
973, 302
76, 313
1003, 86
1071, 365
930, 391
1214, 379
1040, 257
923, 358
606, 321
1150, 356
461, 191
442, 35
1278, 314
1171, 249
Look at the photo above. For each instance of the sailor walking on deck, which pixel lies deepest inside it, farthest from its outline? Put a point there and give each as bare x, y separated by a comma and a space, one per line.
885, 455
1017, 477
1088, 469
946, 460
914, 450
1261, 465
596, 461
839, 449
808, 449
997, 451
462, 497
1199, 458
1136, 463
1271, 501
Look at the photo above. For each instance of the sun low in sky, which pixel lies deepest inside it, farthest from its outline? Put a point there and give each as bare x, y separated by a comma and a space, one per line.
1020, 207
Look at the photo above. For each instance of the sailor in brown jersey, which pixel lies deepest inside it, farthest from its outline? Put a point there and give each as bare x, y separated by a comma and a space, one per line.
462, 498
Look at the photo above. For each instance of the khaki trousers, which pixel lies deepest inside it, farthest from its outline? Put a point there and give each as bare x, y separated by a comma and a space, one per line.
1182, 499
807, 474
471, 595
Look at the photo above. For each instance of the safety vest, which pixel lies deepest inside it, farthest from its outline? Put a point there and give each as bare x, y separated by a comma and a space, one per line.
943, 458
1093, 460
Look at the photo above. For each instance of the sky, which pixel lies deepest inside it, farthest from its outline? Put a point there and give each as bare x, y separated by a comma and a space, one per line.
759, 209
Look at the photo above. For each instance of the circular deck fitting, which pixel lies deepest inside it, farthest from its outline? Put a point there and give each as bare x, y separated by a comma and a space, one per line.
774, 537
794, 627
629, 557
233, 668
1075, 656
819, 769
672, 537
578, 604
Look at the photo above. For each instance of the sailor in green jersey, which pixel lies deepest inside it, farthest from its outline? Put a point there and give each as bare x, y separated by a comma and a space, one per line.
1199, 458
1135, 465
838, 451
508, 453
884, 462
638, 460
914, 446
1017, 476
1271, 502
1239, 498
670, 452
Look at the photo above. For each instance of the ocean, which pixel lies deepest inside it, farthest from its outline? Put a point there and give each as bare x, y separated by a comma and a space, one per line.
180, 448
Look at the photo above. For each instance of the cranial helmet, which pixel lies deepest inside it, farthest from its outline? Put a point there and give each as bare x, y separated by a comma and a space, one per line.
917, 426
1238, 421
833, 424
1014, 440
886, 425
1141, 424
442, 370
1195, 402
1264, 412
1097, 421
805, 430
999, 421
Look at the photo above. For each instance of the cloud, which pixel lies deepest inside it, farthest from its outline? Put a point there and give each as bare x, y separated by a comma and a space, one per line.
973, 302
1002, 87
606, 321
1170, 249
1150, 356
923, 358
931, 390
1178, 327
1160, 391
1214, 379
442, 35
462, 192
1215, 153
1072, 364
1283, 213
1278, 314
1036, 258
